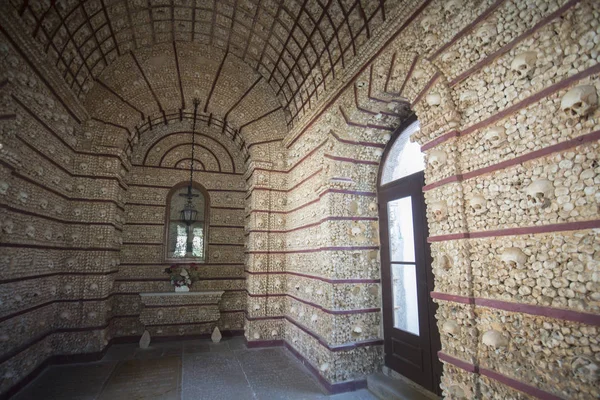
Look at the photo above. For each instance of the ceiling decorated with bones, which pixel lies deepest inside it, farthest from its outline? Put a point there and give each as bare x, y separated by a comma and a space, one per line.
297, 46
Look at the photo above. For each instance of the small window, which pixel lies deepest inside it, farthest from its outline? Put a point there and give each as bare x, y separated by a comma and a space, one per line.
404, 158
186, 238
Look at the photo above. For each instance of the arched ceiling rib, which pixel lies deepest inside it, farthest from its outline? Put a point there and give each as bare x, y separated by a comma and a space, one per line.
157, 86
297, 46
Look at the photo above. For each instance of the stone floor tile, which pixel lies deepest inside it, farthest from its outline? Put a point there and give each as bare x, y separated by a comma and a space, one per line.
196, 348
150, 352
155, 378
68, 382
219, 347
217, 392
186, 370
119, 352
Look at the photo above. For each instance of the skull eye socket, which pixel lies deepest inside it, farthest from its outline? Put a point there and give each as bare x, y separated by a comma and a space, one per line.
577, 105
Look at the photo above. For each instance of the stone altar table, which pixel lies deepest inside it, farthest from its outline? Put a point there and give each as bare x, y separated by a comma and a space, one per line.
171, 308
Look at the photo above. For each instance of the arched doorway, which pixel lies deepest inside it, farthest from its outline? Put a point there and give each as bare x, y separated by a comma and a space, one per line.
410, 331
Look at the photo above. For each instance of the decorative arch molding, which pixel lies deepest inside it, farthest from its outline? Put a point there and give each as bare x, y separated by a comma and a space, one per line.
172, 155
174, 139
184, 164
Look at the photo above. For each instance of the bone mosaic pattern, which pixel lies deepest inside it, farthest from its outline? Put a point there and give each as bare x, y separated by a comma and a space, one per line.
298, 102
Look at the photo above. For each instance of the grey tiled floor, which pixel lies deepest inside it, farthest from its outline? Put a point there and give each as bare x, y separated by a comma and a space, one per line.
222, 371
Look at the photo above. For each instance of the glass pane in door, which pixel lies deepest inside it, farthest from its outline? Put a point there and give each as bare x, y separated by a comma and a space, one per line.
404, 289
400, 222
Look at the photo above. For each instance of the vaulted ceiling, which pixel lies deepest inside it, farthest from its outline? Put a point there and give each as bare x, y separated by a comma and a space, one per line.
297, 46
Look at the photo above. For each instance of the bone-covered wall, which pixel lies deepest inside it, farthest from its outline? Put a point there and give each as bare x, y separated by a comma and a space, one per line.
59, 213
159, 163
506, 93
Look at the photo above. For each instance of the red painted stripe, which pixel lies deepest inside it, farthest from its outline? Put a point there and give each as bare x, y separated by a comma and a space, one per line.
426, 89
443, 238
457, 362
567, 226
506, 48
452, 297
322, 342
550, 312
520, 105
316, 250
442, 182
355, 143
531, 309
333, 281
578, 141
440, 139
317, 223
518, 385
466, 29
351, 160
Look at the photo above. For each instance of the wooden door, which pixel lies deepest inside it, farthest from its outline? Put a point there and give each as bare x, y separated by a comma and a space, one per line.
410, 331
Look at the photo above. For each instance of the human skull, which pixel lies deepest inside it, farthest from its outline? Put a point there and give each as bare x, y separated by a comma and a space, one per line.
539, 193
467, 98
83, 166
478, 205
80, 189
418, 73
77, 212
356, 230
585, 369
494, 137
440, 210
579, 101
452, 8
523, 64
443, 262
4, 187
513, 257
30, 230
451, 328
427, 22
260, 222
23, 197
8, 226
70, 262
494, 339
48, 234
433, 99
436, 159
431, 39
450, 56
486, 33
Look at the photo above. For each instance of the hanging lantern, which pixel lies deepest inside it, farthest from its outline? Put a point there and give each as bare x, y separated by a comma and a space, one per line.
189, 213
